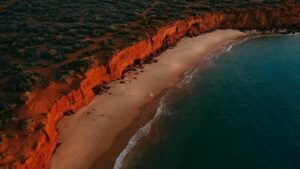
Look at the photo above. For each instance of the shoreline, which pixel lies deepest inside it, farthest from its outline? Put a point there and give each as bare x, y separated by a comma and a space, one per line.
108, 158
47, 105
148, 142
91, 132
142, 142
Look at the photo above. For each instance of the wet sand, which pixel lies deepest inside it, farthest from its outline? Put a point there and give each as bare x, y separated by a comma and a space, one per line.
94, 136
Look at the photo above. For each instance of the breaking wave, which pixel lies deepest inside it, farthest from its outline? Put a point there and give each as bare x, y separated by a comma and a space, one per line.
145, 130
162, 108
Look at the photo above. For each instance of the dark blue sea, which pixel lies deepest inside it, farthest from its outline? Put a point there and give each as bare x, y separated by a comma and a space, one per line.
241, 112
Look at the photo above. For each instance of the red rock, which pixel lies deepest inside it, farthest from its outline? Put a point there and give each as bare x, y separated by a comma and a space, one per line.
53, 101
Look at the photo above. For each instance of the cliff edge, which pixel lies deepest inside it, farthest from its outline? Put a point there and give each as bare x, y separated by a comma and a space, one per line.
33, 149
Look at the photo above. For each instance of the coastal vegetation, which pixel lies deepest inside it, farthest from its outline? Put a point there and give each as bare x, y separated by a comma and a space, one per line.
58, 41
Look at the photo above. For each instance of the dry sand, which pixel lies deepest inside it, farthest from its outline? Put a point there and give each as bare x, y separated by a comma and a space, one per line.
91, 132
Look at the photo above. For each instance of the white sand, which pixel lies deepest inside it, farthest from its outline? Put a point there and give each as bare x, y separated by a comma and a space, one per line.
85, 137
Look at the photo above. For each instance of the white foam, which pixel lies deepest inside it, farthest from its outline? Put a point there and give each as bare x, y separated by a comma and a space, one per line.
144, 131
162, 108
237, 43
294, 34
140, 133
188, 77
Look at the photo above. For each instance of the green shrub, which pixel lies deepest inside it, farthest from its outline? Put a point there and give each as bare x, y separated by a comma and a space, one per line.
25, 124
22, 82
73, 68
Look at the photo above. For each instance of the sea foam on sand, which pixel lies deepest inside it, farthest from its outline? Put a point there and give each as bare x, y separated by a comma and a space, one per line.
91, 131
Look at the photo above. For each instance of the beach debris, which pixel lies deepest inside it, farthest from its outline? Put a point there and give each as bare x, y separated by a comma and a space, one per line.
69, 113
100, 89
87, 113
148, 60
150, 94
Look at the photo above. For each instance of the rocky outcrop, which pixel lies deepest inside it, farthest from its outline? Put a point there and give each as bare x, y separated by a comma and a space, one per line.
49, 105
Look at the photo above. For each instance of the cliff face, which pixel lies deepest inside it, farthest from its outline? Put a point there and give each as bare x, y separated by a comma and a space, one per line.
50, 105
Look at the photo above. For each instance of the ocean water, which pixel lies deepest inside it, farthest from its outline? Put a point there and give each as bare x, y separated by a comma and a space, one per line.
242, 112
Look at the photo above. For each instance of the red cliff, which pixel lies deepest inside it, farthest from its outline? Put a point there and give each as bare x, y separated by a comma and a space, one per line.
46, 107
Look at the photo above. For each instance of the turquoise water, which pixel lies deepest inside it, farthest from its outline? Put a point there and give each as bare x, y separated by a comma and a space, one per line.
243, 112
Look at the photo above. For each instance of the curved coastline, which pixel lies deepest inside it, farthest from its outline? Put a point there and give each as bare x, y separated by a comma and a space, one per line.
145, 132
157, 148
157, 77
185, 79
57, 103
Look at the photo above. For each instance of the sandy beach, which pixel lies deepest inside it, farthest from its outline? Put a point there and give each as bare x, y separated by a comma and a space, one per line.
94, 130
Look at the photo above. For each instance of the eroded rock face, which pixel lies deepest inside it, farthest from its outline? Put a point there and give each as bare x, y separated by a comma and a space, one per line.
47, 106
